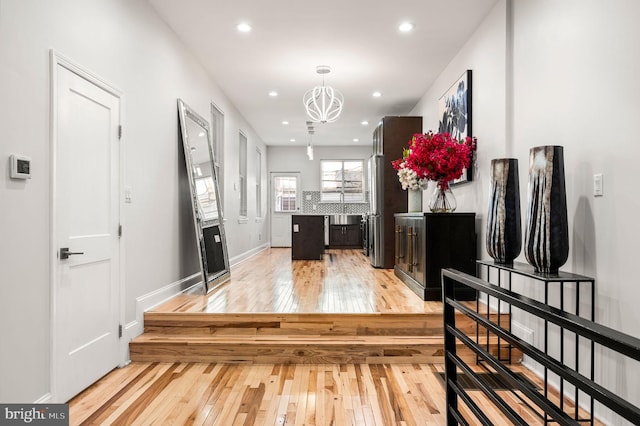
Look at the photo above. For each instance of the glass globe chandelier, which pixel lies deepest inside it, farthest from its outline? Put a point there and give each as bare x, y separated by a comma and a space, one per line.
323, 103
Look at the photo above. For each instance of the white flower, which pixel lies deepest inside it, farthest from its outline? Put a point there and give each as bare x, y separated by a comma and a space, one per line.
409, 179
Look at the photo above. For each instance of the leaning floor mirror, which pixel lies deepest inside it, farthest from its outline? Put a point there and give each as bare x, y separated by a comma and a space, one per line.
204, 195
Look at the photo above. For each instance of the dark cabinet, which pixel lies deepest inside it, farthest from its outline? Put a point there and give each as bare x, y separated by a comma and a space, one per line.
345, 236
427, 242
307, 237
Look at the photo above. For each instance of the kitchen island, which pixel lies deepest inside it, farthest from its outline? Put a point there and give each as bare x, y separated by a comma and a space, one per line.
307, 237
310, 234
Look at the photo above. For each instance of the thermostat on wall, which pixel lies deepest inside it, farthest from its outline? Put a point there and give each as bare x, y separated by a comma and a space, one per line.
20, 167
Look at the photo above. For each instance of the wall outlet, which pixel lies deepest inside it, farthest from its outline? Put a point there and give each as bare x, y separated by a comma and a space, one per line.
315, 207
128, 194
525, 333
260, 236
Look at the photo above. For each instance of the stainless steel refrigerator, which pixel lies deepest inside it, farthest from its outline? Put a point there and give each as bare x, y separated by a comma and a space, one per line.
386, 196
376, 210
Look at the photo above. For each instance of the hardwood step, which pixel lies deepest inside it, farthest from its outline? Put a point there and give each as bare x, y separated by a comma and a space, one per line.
297, 349
390, 337
259, 324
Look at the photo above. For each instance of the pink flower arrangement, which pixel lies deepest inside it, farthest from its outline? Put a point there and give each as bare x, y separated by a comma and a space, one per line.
437, 157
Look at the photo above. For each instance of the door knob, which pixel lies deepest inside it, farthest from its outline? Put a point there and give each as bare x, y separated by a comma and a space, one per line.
65, 253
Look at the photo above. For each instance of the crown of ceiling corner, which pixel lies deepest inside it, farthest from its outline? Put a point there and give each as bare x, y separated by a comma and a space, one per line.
323, 104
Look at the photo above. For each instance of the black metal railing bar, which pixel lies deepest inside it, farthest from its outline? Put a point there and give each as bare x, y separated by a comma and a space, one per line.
603, 335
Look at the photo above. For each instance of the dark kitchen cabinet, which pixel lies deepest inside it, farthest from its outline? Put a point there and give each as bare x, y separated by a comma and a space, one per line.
425, 243
307, 237
345, 236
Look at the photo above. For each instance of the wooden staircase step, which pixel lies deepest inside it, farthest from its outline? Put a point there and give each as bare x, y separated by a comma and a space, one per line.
296, 349
258, 324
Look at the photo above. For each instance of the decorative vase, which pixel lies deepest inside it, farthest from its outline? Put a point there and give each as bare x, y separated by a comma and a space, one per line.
504, 231
547, 234
442, 200
414, 200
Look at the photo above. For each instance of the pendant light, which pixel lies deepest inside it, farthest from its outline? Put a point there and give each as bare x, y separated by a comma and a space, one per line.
309, 147
323, 103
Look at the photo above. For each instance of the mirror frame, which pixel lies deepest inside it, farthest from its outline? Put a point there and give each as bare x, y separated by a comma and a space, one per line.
215, 279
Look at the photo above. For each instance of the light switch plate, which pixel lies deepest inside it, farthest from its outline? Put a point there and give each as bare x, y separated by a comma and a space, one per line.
598, 190
128, 194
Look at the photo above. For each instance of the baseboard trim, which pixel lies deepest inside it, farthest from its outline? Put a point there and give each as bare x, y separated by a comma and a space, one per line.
154, 298
531, 366
234, 261
148, 301
44, 399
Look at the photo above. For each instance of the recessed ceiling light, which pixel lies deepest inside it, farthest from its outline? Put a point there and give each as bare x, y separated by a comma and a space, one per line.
292, 140
364, 122
356, 140
243, 27
376, 94
405, 27
285, 122
273, 93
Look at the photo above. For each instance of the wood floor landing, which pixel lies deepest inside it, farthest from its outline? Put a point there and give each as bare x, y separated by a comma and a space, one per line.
270, 282
338, 310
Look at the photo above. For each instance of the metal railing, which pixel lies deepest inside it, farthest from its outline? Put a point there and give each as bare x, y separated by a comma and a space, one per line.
614, 340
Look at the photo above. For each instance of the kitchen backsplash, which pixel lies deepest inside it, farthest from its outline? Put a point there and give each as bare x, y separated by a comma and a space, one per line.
312, 198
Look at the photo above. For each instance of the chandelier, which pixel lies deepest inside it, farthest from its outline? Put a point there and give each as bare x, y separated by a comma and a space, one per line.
323, 103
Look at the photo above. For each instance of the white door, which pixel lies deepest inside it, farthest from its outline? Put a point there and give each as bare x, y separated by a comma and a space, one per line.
86, 222
285, 201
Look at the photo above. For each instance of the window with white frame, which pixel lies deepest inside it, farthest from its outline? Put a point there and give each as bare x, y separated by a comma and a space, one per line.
217, 134
258, 183
341, 181
285, 191
242, 167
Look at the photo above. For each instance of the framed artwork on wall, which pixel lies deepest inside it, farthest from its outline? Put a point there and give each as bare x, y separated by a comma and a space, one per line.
454, 109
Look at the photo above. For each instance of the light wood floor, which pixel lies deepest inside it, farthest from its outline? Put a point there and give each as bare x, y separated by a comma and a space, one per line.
343, 282
273, 394
384, 394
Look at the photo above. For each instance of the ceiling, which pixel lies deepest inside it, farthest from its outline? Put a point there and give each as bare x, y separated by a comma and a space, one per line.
358, 39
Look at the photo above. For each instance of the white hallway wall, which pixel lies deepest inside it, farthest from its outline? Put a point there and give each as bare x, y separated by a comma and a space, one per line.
124, 42
574, 65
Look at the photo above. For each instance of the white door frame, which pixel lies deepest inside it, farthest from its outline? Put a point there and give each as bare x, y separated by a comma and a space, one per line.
299, 200
58, 60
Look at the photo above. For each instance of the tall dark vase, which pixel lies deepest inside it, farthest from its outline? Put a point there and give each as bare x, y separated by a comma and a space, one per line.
504, 231
547, 233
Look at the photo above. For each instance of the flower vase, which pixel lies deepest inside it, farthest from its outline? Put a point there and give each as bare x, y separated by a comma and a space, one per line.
504, 232
547, 235
442, 200
414, 200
